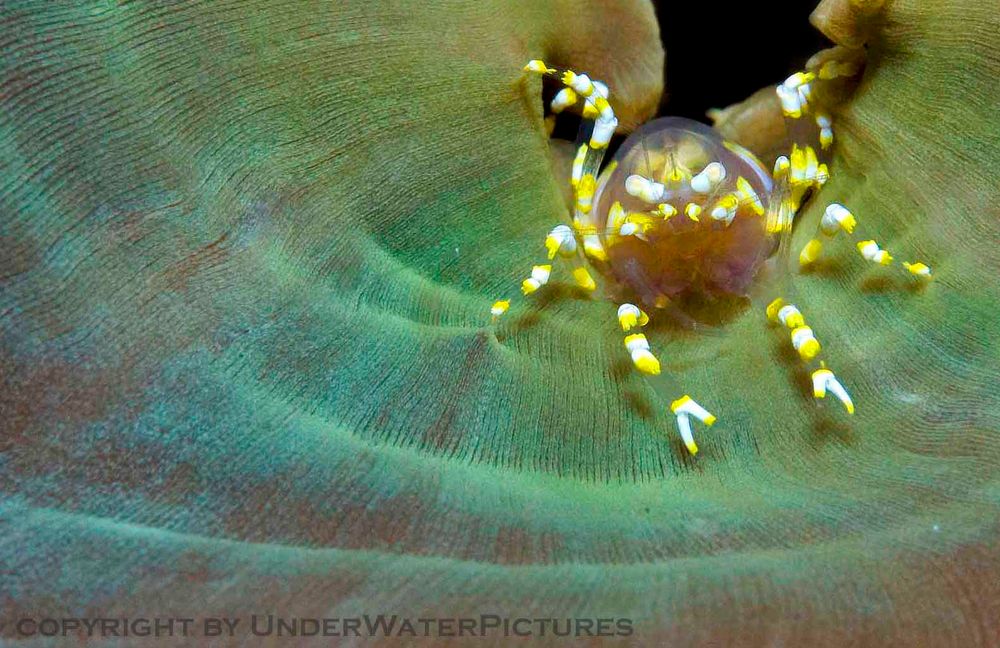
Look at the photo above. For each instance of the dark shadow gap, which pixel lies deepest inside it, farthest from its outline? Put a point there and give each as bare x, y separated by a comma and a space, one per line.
718, 55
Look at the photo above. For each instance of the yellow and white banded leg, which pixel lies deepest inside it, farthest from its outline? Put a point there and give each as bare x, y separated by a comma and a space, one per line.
806, 169
803, 340
810, 129
838, 219
561, 242
632, 318
599, 116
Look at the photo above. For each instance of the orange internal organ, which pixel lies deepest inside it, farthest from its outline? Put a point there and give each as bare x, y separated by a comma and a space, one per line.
685, 214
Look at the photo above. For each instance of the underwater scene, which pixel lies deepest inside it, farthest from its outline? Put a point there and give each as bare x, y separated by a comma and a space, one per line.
494, 322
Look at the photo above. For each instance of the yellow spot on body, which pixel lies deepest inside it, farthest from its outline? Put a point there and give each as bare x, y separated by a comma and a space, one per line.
800, 79
552, 245
812, 162
585, 193
773, 308
918, 269
539, 277
809, 349
725, 208
746, 191
645, 222
595, 250
870, 250
616, 216
729, 201
666, 210
631, 316
810, 252
583, 229
798, 162
849, 223
692, 211
781, 166
583, 279
538, 66
648, 364
677, 174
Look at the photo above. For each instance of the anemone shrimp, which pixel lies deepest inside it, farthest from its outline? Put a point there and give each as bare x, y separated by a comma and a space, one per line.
680, 211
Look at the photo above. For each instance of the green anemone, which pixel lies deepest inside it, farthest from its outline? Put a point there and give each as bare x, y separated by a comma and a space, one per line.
246, 250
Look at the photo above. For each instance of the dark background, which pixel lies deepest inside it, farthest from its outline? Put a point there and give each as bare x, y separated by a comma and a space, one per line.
718, 54
745, 46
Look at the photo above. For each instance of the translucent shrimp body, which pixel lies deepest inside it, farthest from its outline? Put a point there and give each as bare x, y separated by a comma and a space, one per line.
684, 212
681, 215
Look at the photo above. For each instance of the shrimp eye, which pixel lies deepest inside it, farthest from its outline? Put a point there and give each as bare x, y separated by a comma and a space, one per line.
685, 214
